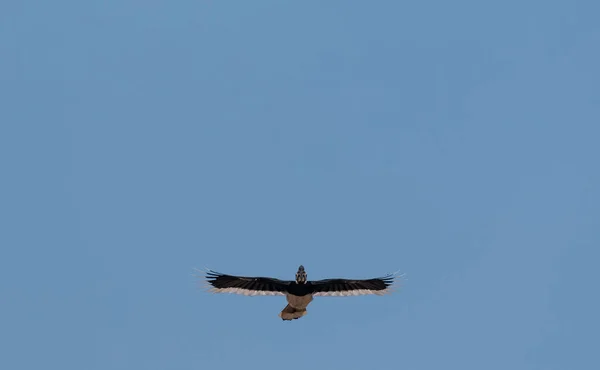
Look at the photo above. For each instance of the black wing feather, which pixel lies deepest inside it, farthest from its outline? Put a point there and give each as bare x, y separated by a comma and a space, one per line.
348, 287
246, 285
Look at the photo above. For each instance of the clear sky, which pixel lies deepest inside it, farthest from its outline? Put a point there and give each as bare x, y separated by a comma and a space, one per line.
456, 141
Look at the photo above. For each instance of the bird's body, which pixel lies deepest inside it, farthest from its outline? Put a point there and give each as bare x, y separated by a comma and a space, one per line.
299, 293
296, 307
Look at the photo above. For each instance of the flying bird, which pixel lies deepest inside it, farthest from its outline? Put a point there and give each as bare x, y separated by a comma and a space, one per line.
300, 292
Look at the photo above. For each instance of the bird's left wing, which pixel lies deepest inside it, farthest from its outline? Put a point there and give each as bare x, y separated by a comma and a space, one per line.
351, 287
222, 283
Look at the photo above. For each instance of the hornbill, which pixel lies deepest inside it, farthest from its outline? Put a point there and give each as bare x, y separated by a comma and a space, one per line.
299, 293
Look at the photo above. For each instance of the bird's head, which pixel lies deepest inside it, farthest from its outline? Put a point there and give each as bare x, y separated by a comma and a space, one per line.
301, 275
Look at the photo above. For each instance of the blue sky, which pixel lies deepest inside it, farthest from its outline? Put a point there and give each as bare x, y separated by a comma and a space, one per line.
455, 141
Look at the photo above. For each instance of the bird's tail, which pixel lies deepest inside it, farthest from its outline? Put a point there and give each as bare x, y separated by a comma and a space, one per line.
290, 313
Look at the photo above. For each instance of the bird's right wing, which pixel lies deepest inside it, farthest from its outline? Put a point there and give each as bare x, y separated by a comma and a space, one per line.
222, 283
351, 287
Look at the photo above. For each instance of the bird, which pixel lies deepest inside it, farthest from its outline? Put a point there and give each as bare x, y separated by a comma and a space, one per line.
299, 292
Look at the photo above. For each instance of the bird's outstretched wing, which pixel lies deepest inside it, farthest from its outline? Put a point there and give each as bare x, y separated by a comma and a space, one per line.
351, 287
222, 283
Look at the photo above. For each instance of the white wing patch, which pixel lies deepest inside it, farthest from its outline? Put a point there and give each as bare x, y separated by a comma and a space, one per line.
355, 292
246, 292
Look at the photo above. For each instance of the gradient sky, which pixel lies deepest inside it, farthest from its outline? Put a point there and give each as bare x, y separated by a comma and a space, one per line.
455, 141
